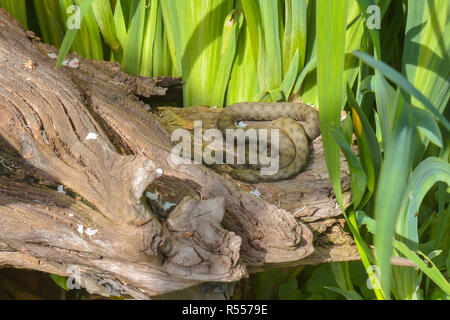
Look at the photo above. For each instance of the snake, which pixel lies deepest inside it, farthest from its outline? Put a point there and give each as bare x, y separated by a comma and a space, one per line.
294, 137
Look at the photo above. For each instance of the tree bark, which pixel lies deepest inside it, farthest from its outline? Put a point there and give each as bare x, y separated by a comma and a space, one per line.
79, 154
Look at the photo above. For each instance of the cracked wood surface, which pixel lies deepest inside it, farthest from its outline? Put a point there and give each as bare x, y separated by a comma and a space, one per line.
79, 153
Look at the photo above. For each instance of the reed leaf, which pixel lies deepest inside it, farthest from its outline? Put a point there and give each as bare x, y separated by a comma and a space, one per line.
104, 17
148, 44
295, 33
18, 10
331, 33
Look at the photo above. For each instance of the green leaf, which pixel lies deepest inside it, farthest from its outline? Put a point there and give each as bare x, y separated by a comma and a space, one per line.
231, 29
426, 265
172, 31
369, 150
331, 31
253, 19
270, 70
311, 65
289, 290
132, 50
105, 20
426, 62
295, 33
354, 35
403, 83
421, 260
425, 175
18, 10
291, 74
427, 126
195, 31
162, 63
94, 38
119, 22
243, 85
349, 295
60, 281
392, 186
357, 175
347, 128
148, 44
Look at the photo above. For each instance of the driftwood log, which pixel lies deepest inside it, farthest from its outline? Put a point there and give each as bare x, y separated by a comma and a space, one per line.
79, 155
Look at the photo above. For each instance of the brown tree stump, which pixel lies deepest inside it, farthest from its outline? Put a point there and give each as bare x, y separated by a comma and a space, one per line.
78, 155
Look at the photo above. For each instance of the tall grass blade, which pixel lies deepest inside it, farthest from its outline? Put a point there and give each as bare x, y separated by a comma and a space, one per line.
331, 32
162, 61
358, 177
94, 38
270, 69
132, 51
151, 20
290, 76
403, 83
18, 10
172, 28
103, 15
426, 61
243, 85
417, 257
369, 150
427, 173
51, 30
232, 27
120, 24
295, 33
392, 187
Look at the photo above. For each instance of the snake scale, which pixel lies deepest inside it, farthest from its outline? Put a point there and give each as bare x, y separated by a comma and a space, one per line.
293, 144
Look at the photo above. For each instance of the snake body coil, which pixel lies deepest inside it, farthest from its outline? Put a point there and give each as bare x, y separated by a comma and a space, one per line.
293, 144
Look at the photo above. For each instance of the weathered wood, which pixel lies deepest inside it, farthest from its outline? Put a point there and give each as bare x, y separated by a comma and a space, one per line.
78, 154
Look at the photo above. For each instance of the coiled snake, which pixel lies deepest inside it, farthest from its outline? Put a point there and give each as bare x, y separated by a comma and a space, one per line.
293, 142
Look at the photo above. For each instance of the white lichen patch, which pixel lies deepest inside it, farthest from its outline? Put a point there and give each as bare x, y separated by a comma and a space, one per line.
152, 196
52, 55
91, 232
61, 189
74, 63
80, 228
256, 193
168, 205
92, 136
